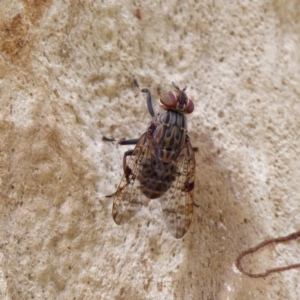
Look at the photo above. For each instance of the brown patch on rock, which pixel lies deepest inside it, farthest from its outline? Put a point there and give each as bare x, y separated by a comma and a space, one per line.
35, 9
14, 41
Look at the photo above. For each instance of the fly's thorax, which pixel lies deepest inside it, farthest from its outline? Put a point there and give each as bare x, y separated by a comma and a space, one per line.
169, 135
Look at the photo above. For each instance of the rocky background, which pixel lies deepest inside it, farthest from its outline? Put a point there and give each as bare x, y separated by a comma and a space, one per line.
66, 80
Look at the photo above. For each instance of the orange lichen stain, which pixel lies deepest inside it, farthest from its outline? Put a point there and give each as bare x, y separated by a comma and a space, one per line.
56, 93
146, 284
138, 13
14, 42
159, 286
35, 9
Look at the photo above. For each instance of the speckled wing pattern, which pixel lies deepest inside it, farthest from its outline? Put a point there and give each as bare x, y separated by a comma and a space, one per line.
177, 203
128, 198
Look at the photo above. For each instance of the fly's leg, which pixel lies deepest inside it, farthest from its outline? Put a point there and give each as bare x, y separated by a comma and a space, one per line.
121, 141
126, 169
189, 183
128, 142
149, 101
106, 139
187, 139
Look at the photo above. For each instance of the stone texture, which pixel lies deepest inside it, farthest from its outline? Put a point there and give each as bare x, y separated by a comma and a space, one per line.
66, 80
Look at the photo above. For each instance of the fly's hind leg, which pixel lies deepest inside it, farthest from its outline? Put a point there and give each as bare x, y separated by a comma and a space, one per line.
127, 171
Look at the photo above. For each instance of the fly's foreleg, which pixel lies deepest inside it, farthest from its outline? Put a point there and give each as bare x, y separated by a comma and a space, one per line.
149, 100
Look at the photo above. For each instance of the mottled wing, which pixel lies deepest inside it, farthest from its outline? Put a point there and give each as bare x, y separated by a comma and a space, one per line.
177, 203
128, 198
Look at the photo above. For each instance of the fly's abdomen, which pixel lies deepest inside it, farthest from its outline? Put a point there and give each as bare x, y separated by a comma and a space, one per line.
156, 181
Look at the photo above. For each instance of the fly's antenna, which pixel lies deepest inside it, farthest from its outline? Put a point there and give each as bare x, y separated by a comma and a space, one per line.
175, 85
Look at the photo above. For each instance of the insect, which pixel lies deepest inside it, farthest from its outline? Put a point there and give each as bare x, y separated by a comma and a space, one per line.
162, 165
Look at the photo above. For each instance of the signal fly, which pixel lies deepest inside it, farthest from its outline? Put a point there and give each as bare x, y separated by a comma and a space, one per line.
161, 166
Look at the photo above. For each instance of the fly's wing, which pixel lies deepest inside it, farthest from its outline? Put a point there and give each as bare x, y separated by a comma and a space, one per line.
177, 203
128, 198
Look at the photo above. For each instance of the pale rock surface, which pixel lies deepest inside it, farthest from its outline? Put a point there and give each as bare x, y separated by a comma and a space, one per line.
66, 80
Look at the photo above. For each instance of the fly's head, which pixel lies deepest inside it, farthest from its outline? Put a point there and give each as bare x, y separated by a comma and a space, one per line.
177, 100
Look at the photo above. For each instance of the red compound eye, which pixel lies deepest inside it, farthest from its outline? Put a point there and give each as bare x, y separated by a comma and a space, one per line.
189, 106
169, 100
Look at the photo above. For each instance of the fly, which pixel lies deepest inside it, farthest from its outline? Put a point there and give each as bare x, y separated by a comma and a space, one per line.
162, 165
